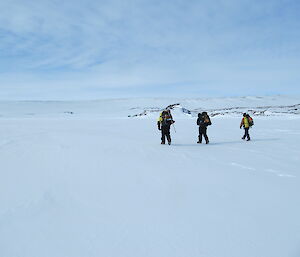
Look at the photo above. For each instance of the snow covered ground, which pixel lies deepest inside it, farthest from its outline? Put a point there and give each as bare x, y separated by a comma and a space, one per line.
84, 179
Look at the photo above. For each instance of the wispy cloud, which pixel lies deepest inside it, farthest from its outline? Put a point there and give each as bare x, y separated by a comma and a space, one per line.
201, 45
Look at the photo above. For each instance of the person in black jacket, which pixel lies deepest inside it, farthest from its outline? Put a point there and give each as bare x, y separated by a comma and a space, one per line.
164, 122
203, 121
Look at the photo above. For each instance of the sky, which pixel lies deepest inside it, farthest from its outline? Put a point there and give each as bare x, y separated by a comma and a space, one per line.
120, 48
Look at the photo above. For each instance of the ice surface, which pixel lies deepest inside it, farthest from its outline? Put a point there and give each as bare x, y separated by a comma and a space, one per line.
84, 179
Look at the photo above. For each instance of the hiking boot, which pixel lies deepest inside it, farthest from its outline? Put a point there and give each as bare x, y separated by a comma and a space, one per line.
162, 143
199, 142
169, 142
243, 138
248, 139
207, 142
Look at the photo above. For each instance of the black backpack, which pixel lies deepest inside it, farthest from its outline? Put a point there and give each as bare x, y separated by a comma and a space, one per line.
250, 121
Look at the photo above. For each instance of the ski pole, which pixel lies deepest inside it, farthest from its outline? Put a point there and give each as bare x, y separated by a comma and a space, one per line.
174, 127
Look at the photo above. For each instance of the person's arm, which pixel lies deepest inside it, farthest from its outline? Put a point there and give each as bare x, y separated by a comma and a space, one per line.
209, 122
158, 125
159, 122
242, 122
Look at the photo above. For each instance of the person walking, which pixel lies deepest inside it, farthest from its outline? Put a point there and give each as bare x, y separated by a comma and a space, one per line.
164, 123
203, 121
246, 123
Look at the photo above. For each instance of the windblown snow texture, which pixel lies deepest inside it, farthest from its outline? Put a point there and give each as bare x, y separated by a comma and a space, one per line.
84, 179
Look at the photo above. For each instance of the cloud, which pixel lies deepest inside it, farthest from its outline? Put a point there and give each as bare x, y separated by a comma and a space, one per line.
138, 43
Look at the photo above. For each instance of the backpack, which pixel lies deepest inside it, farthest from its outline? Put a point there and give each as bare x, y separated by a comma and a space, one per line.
207, 120
166, 119
250, 121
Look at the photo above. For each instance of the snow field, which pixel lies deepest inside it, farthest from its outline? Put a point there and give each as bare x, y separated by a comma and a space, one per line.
106, 187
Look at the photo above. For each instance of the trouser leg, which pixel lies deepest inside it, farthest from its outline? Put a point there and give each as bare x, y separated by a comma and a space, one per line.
202, 132
165, 131
244, 136
205, 135
162, 136
169, 137
247, 133
200, 136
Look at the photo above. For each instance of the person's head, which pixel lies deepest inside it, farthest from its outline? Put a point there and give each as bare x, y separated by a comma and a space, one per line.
204, 113
245, 114
165, 114
199, 115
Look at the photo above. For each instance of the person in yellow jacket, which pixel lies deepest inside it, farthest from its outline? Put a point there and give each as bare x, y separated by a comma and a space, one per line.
164, 123
246, 124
